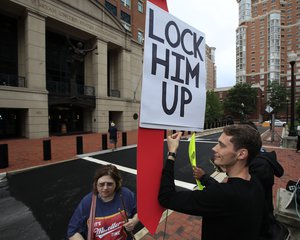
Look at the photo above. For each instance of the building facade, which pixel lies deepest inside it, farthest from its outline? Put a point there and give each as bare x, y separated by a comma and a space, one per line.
69, 66
211, 68
268, 31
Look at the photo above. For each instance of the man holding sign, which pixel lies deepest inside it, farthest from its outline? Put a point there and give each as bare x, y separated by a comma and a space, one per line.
233, 210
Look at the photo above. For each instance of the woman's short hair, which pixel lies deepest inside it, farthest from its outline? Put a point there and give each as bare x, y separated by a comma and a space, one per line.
245, 136
107, 170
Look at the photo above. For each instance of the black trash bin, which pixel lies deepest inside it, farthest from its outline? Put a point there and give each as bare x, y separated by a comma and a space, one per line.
3, 155
104, 141
79, 145
124, 139
47, 149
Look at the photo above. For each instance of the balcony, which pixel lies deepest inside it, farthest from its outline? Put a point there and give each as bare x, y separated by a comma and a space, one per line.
63, 88
11, 80
114, 93
61, 93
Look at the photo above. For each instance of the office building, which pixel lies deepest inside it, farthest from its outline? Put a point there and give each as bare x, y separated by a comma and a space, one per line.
69, 66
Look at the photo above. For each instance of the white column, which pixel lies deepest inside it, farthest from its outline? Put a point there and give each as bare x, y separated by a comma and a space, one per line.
35, 76
35, 51
100, 116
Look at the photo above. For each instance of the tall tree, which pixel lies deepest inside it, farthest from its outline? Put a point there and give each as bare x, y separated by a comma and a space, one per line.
241, 100
214, 108
277, 96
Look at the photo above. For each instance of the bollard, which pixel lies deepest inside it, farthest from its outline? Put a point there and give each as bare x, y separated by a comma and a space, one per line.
79, 145
3, 155
124, 139
104, 141
47, 149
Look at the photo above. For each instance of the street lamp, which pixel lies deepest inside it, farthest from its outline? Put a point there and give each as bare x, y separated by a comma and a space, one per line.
292, 57
287, 110
242, 111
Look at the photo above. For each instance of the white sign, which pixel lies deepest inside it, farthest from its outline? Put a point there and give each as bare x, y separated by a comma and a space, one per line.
269, 109
174, 73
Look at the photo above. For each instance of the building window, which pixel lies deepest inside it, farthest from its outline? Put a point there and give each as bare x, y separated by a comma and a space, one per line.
140, 7
9, 46
125, 17
140, 37
126, 3
111, 8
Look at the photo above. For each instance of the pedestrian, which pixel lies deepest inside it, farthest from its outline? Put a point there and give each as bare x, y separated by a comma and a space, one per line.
113, 135
106, 213
231, 210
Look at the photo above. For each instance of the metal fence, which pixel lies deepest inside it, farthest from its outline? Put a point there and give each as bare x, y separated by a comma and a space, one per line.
11, 80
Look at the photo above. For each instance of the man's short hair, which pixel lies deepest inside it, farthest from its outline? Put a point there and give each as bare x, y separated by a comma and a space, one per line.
244, 136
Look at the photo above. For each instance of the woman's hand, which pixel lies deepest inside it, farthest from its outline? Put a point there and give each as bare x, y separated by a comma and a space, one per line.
129, 226
198, 172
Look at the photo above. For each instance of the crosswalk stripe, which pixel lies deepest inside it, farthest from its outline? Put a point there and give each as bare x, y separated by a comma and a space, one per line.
178, 183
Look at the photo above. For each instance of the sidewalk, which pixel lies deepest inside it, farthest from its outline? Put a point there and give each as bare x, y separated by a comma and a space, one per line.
29, 153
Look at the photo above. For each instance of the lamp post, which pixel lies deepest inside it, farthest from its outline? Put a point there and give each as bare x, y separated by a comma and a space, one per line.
242, 111
292, 57
287, 111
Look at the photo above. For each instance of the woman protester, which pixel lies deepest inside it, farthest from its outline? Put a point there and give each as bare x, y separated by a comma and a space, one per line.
108, 212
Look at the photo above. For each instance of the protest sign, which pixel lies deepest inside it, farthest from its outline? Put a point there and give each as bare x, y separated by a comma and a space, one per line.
174, 73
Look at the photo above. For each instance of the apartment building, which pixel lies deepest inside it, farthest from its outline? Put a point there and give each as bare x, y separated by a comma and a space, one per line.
268, 31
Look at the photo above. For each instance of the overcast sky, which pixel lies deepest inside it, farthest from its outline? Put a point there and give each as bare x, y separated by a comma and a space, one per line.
218, 20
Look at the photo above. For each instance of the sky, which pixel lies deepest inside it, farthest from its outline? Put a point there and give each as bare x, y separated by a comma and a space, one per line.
218, 20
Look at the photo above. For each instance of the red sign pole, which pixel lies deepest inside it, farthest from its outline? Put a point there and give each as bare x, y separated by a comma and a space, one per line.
149, 167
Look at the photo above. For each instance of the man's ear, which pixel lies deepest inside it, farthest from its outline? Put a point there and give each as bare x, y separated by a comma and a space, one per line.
242, 154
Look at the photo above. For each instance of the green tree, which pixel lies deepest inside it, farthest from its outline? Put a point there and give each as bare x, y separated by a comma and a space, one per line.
277, 96
241, 100
214, 108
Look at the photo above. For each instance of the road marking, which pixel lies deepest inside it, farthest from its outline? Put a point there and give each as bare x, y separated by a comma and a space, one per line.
178, 183
122, 168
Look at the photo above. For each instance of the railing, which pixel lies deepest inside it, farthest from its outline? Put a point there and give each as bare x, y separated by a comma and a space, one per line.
216, 124
89, 91
11, 80
63, 88
59, 88
114, 93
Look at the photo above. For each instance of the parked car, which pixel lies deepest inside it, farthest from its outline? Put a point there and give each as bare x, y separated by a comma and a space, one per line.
278, 123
